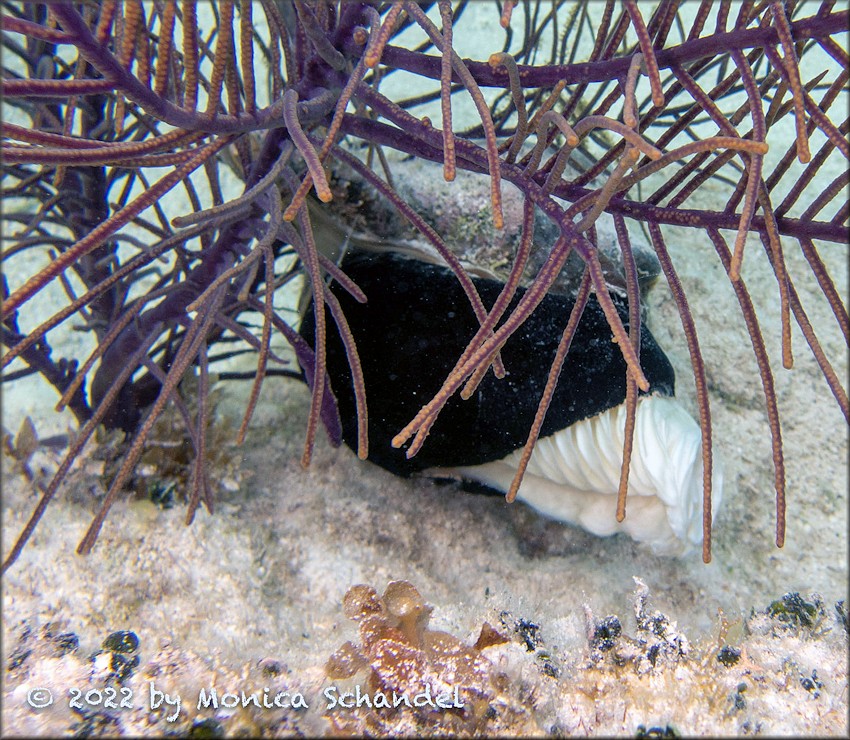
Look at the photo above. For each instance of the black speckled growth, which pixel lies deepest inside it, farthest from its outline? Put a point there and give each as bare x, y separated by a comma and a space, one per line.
414, 327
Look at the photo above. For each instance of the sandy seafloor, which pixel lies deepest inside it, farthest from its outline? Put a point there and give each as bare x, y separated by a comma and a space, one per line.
264, 577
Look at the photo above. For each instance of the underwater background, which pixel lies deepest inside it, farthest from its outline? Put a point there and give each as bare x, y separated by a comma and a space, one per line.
252, 596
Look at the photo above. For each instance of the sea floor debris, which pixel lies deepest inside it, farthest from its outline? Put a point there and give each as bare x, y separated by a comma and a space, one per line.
781, 670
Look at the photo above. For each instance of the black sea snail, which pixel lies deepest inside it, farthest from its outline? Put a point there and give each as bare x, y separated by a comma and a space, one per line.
413, 327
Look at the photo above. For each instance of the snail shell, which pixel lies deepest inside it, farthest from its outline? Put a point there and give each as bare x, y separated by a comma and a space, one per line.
412, 329
359, 217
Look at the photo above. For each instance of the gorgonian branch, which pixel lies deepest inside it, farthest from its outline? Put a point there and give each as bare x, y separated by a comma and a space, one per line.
108, 95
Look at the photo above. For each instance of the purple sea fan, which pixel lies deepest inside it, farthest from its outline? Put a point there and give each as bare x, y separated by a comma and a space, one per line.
115, 105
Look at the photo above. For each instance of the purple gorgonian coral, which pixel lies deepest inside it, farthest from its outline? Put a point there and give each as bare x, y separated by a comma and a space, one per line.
118, 104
